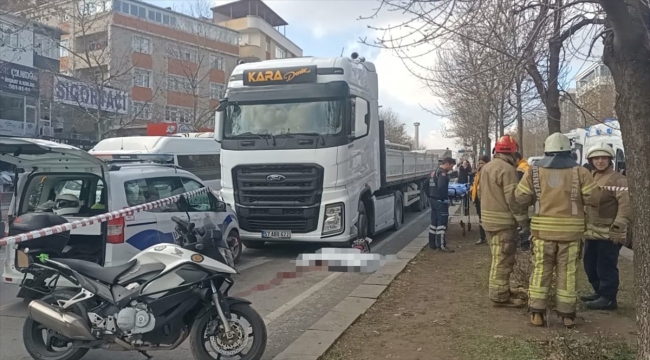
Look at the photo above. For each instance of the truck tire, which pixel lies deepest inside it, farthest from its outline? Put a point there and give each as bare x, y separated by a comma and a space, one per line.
398, 210
419, 205
362, 221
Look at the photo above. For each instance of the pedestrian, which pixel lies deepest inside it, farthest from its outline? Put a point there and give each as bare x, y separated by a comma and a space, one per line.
477, 201
499, 216
561, 189
606, 230
438, 189
463, 172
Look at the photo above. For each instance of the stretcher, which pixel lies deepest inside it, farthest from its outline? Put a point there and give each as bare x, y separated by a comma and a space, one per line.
460, 193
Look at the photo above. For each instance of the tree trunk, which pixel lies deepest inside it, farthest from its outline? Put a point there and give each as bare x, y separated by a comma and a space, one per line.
553, 113
630, 67
520, 115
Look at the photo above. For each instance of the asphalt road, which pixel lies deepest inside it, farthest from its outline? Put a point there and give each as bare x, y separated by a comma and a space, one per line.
289, 308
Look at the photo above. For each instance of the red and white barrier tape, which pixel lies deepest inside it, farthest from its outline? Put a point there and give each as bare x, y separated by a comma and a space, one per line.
97, 219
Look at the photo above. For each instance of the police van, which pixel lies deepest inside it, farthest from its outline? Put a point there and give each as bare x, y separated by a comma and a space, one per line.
75, 185
197, 153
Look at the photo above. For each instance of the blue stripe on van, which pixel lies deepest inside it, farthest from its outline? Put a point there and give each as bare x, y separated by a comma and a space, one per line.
150, 237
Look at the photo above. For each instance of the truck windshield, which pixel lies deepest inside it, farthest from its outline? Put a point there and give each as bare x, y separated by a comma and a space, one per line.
313, 117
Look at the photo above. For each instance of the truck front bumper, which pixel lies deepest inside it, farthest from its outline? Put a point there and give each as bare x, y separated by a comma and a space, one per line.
330, 198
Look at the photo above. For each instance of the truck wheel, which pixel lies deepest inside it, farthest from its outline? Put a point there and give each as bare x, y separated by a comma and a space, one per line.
362, 221
253, 244
399, 210
418, 206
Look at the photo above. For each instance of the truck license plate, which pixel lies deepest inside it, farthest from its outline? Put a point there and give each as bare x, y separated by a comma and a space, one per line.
276, 234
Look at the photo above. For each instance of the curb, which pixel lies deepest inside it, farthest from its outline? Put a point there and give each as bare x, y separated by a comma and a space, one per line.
314, 342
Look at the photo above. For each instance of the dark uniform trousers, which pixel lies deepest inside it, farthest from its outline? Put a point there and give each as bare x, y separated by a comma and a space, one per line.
601, 266
439, 221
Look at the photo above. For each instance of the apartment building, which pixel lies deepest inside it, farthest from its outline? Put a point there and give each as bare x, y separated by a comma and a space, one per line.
262, 35
571, 115
174, 66
28, 50
596, 93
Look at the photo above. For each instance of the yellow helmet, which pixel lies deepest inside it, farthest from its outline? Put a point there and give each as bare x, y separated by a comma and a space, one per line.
602, 149
557, 142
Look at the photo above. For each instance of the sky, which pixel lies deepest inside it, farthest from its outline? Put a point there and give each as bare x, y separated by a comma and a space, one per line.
332, 27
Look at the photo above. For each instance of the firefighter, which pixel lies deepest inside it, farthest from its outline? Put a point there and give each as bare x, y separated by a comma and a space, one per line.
499, 216
561, 188
477, 202
606, 230
438, 189
522, 165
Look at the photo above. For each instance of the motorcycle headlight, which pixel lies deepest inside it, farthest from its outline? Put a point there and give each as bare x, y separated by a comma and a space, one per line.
333, 223
227, 255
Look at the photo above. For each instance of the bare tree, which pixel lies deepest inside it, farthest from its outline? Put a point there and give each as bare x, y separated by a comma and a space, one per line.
194, 64
597, 103
106, 72
394, 128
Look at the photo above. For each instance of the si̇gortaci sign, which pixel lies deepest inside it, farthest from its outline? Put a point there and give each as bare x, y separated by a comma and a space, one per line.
90, 96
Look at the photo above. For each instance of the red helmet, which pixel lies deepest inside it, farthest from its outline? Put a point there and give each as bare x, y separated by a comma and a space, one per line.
506, 145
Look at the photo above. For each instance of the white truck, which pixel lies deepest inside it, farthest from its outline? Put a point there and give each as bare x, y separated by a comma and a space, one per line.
608, 132
304, 157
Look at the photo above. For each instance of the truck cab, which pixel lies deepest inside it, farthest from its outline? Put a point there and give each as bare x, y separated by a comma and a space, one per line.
303, 152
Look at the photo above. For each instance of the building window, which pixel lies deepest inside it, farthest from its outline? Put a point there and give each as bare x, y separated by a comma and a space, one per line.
9, 36
142, 78
92, 7
63, 48
46, 46
217, 62
268, 45
141, 110
280, 53
141, 45
12, 107
216, 91
178, 114
179, 84
183, 53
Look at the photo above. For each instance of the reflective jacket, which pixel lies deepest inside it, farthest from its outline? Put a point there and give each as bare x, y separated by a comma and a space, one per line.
609, 218
496, 189
522, 167
474, 189
561, 194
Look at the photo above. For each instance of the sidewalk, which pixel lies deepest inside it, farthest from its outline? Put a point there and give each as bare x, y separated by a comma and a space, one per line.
437, 309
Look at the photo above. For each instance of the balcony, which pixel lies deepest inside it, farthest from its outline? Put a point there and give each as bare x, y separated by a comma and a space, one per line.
256, 22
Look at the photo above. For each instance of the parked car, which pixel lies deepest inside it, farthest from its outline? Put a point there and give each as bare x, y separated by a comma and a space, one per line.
75, 184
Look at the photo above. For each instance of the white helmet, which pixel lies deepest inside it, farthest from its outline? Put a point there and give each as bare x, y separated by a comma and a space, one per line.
602, 149
557, 142
66, 204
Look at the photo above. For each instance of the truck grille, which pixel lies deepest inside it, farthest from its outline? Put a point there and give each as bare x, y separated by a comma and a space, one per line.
291, 202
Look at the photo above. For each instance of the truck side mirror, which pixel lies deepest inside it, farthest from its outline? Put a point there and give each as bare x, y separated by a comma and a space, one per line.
219, 120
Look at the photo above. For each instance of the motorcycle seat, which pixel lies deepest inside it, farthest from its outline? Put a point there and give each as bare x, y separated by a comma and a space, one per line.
106, 275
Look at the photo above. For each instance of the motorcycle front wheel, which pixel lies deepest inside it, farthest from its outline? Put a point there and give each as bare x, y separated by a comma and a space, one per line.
208, 340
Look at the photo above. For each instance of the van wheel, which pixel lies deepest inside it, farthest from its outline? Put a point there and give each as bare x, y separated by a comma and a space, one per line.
254, 244
235, 245
399, 210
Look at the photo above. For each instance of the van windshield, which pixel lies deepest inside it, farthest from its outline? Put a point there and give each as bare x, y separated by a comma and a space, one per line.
65, 195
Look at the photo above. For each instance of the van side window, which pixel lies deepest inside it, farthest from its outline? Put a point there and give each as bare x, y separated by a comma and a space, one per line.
205, 167
142, 191
43, 191
202, 202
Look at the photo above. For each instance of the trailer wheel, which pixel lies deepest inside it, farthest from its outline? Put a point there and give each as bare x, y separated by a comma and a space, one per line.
399, 210
362, 221
418, 206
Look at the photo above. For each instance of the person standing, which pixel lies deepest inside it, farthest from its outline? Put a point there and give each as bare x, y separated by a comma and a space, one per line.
438, 189
561, 189
499, 216
606, 230
522, 165
474, 194
463, 172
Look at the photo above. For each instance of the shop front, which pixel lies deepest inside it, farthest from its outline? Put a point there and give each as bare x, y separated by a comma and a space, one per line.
19, 99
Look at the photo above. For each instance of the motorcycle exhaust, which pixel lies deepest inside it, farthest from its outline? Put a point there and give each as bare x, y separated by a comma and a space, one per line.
67, 324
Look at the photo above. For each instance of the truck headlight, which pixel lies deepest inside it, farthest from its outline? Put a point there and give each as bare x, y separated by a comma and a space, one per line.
334, 219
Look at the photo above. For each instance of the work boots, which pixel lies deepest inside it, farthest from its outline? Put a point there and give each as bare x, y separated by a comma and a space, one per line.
512, 303
590, 297
537, 319
568, 322
601, 304
480, 241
